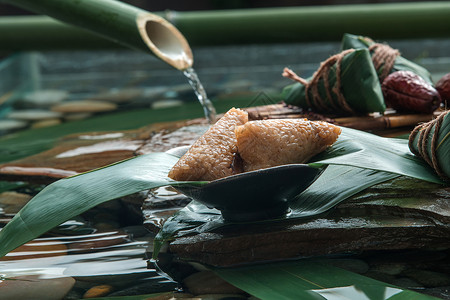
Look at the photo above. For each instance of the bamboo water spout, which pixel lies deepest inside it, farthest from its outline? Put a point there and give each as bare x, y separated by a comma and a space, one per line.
120, 22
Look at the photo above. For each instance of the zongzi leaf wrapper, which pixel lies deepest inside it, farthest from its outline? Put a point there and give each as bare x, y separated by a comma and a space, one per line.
350, 41
359, 86
434, 146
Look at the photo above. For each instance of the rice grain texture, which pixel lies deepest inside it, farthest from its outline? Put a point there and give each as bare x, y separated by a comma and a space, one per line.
269, 143
212, 155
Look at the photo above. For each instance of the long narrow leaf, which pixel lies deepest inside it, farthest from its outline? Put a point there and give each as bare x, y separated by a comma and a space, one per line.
72, 196
311, 280
364, 150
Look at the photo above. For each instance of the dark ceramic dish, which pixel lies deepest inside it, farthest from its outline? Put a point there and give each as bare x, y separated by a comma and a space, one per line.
255, 195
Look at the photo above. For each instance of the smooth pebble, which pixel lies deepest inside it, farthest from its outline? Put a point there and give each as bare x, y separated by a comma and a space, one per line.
33, 287
33, 114
84, 106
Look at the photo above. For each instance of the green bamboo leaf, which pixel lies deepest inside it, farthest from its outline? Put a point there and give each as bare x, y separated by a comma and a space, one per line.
311, 280
72, 196
401, 63
359, 85
364, 150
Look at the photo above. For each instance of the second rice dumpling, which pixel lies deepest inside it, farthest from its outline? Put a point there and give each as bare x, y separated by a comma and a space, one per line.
269, 143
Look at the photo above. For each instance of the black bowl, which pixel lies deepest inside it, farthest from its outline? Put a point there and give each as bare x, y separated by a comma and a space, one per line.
255, 195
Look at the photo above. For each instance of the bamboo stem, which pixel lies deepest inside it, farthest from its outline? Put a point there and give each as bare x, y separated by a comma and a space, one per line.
274, 25
120, 22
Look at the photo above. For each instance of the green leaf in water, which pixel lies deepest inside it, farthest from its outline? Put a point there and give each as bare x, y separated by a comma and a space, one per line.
72, 196
311, 280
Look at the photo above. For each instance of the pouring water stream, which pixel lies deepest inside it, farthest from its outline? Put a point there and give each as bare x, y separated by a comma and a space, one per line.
194, 81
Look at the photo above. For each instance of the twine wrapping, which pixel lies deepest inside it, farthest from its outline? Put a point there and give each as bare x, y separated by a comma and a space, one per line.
423, 141
383, 58
314, 100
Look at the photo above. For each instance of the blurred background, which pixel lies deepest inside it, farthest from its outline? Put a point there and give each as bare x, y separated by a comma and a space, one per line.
218, 4
236, 59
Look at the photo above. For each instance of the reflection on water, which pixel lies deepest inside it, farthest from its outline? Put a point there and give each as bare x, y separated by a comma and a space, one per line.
374, 292
114, 258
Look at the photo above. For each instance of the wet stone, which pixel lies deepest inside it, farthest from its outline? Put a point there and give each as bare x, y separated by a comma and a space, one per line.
406, 282
391, 269
380, 276
84, 106
98, 241
98, 291
119, 95
37, 249
33, 114
439, 292
46, 123
10, 125
44, 98
136, 231
353, 265
106, 225
36, 288
14, 198
207, 282
147, 287
77, 116
428, 278
166, 103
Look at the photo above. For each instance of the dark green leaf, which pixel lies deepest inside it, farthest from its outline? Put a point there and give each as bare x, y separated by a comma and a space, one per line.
364, 150
72, 196
401, 63
311, 280
359, 85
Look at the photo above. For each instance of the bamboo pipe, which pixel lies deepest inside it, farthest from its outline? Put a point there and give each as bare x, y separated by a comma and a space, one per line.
120, 22
271, 25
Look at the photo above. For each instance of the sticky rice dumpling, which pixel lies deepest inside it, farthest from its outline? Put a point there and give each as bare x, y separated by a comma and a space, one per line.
268, 143
212, 155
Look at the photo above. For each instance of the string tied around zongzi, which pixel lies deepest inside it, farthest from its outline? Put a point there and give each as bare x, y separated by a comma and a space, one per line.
383, 58
424, 142
312, 95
